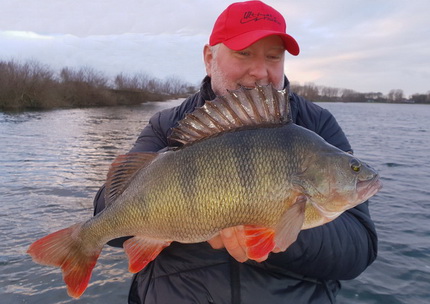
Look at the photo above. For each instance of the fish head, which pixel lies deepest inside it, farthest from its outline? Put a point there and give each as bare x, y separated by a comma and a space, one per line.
336, 181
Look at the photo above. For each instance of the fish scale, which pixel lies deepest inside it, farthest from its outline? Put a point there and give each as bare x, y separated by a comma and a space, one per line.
226, 198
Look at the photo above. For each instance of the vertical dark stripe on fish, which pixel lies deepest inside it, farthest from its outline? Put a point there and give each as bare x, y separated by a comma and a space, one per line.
188, 181
245, 162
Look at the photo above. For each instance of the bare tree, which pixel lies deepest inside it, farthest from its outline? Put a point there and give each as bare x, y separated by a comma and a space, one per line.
395, 95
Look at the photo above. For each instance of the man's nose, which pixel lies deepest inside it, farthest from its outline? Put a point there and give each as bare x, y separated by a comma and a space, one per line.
259, 68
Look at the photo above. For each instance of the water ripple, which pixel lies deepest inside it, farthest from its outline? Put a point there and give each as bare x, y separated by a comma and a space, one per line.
53, 162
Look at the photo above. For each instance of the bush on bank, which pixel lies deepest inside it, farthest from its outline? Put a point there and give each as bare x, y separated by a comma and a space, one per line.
31, 85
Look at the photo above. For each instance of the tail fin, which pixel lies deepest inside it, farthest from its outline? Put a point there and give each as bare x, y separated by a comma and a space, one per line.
63, 249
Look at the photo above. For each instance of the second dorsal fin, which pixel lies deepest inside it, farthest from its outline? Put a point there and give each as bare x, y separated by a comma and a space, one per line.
122, 170
262, 105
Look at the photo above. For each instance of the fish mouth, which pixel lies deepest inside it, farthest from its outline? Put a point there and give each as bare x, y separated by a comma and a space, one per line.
368, 188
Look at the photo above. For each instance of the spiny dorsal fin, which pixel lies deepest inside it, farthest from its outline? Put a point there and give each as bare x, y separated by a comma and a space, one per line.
262, 105
122, 170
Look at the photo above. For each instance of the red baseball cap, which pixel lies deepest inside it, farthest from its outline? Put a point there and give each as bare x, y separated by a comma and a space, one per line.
243, 23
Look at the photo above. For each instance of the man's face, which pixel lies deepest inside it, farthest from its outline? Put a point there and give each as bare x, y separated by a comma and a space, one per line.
261, 63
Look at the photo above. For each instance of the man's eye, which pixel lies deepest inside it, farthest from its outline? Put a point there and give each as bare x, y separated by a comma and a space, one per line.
274, 57
244, 53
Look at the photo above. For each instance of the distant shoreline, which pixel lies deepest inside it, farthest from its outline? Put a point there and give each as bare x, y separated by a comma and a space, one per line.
33, 86
35, 109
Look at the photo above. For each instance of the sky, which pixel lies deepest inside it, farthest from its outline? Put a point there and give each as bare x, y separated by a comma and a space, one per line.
363, 45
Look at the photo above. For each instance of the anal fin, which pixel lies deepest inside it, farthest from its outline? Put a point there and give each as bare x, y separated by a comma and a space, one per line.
141, 251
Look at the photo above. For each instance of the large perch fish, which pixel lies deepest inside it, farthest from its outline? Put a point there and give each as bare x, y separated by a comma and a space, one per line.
242, 162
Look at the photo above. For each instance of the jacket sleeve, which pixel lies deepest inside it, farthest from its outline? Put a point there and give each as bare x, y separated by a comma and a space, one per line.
152, 138
343, 248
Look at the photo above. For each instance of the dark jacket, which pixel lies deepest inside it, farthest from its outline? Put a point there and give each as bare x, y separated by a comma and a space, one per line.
308, 272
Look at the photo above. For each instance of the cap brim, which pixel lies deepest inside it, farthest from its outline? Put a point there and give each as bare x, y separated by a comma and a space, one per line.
243, 41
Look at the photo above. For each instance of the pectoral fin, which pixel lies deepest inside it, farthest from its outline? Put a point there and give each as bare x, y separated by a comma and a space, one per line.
260, 241
290, 224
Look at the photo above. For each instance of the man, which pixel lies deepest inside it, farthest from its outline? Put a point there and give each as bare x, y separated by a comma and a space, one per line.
247, 47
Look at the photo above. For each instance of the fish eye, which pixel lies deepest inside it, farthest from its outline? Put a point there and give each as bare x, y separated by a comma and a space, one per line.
355, 165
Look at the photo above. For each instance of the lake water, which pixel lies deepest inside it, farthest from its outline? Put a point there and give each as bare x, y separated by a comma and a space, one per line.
53, 162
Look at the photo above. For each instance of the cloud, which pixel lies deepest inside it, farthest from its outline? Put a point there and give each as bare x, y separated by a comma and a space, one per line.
24, 35
110, 17
362, 45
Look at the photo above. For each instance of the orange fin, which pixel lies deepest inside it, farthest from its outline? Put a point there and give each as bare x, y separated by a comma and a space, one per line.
122, 170
259, 241
141, 251
63, 249
262, 105
290, 224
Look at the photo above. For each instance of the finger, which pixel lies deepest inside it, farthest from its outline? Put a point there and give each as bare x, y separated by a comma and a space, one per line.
262, 259
240, 235
216, 242
277, 249
232, 244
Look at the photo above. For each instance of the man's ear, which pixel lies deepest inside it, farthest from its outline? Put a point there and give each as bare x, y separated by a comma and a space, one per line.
208, 57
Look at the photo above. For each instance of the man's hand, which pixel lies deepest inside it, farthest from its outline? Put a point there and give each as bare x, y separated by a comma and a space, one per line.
233, 239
